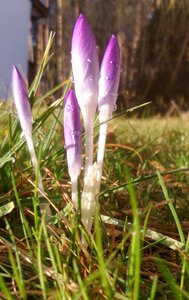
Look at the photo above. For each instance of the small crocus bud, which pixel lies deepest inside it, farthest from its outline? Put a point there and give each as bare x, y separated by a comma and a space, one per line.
23, 107
85, 66
72, 134
73, 139
109, 79
21, 101
108, 87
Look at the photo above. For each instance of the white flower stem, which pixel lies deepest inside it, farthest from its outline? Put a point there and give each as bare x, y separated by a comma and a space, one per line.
34, 162
88, 146
88, 199
100, 154
74, 191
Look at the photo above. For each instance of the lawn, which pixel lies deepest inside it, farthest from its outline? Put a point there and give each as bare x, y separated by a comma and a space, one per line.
139, 245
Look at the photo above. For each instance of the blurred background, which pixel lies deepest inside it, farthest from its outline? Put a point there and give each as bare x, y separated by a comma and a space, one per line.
153, 36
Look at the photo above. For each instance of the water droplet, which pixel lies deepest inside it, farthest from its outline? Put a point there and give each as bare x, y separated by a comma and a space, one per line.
68, 108
111, 62
113, 95
89, 60
90, 78
115, 107
107, 77
75, 132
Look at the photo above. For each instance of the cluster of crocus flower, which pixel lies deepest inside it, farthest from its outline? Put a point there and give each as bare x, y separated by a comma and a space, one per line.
94, 87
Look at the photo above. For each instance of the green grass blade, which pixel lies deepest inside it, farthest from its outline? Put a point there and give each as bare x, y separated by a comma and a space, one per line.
172, 208
154, 288
4, 289
133, 280
100, 255
16, 264
43, 65
82, 288
39, 263
171, 280
184, 266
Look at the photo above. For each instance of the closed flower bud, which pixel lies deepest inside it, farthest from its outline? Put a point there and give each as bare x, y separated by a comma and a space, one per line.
21, 101
85, 66
72, 134
109, 79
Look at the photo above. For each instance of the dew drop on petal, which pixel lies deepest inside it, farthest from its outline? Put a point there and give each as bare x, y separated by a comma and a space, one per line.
90, 78
114, 95
115, 107
69, 108
75, 132
89, 60
72, 79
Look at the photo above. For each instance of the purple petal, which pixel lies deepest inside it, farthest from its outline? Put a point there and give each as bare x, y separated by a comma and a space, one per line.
21, 101
72, 134
109, 76
85, 64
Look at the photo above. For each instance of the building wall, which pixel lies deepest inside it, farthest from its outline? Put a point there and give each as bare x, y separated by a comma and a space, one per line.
14, 33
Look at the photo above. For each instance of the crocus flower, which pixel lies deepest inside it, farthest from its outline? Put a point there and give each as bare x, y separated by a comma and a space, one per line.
21, 101
109, 79
108, 88
23, 107
73, 140
85, 66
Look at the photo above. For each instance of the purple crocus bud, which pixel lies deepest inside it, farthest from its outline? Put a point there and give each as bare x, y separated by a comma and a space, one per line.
72, 134
25, 116
21, 101
85, 66
109, 79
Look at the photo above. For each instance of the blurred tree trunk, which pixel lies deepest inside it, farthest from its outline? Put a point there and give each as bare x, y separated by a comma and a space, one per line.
135, 42
179, 59
59, 41
39, 43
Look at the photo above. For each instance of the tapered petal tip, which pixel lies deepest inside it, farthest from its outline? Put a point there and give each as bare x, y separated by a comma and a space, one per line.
82, 35
81, 21
113, 49
15, 71
17, 79
14, 68
69, 95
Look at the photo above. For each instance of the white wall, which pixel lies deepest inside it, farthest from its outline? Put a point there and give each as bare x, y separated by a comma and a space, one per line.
14, 33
